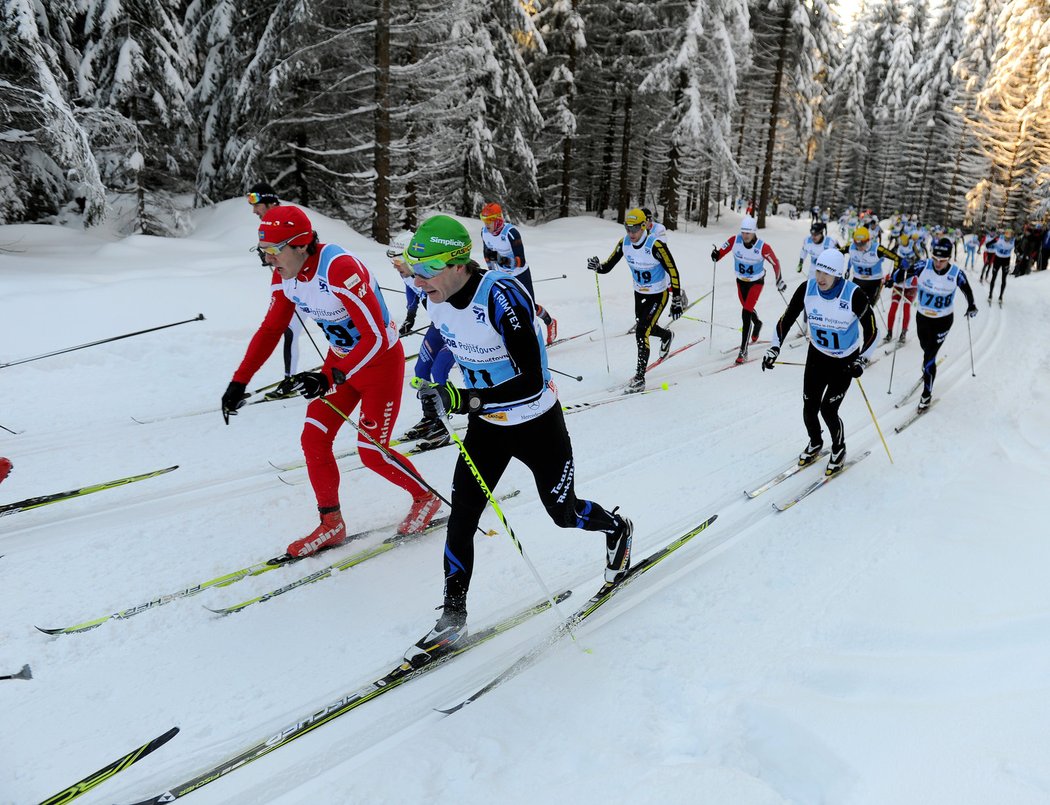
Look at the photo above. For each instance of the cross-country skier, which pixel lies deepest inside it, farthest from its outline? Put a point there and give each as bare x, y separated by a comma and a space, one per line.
842, 334
489, 322
749, 262
865, 261
504, 251
815, 243
936, 281
365, 364
654, 274
1002, 247
909, 250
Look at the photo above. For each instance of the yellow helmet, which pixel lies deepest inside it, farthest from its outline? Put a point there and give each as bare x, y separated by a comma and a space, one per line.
905, 237
634, 217
861, 233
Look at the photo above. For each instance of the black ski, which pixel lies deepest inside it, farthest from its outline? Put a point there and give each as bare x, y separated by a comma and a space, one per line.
57, 497
398, 675
103, 774
605, 592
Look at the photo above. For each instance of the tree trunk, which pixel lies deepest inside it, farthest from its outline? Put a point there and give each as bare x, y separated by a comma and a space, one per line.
774, 116
381, 150
605, 170
625, 161
671, 178
569, 141
705, 195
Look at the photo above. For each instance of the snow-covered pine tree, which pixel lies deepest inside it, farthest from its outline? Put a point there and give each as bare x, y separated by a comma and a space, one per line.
1015, 110
44, 149
699, 73
935, 126
136, 74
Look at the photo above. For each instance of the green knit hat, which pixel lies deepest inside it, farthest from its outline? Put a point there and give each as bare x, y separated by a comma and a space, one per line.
440, 241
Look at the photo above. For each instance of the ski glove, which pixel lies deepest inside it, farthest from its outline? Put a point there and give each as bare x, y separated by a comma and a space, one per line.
714, 254
770, 358
315, 384
593, 263
781, 285
856, 367
676, 307
234, 398
971, 311
799, 266
439, 401
410, 323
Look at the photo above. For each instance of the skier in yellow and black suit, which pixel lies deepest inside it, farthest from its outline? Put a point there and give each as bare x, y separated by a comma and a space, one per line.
653, 273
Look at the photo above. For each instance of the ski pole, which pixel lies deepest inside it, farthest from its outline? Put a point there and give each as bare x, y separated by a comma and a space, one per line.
548, 279
578, 378
601, 315
801, 329
969, 337
893, 365
12, 432
711, 329
502, 518
25, 673
199, 317
789, 363
873, 419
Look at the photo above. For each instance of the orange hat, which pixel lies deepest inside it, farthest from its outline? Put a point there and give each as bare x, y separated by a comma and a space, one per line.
491, 210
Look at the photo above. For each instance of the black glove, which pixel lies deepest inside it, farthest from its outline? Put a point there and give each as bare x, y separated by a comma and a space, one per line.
781, 285
770, 358
409, 325
439, 401
676, 307
315, 384
234, 398
971, 311
714, 254
856, 367
593, 263
799, 266
503, 262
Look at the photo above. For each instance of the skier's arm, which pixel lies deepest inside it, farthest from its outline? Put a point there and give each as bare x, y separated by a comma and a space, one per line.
882, 251
794, 308
511, 312
264, 342
869, 327
517, 246
964, 285
612, 259
664, 258
770, 255
349, 280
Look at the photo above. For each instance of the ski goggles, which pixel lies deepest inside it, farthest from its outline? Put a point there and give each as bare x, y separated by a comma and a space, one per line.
276, 248
632, 228
428, 267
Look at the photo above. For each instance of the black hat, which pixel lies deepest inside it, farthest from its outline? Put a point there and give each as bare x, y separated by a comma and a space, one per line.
942, 248
818, 226
267, 195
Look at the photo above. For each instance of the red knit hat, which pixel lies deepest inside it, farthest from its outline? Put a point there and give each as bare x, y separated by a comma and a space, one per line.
284, 222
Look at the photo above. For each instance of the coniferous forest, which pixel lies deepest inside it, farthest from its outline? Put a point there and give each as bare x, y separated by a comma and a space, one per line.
378, 111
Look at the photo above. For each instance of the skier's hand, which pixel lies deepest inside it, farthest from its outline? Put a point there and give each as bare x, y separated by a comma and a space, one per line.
971, 311
439, 401
234, 398
781, 285
593, 263
714, 254
770, 358
799, 266
410, 323
315, 384
856, 367
676, 307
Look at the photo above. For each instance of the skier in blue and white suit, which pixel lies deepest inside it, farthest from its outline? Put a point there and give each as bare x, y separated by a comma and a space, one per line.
489, 322
937, 279
842, 334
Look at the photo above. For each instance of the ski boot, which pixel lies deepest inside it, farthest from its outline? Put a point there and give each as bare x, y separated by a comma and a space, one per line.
419, 516
331, 532
449, 630
618, 549
837, 460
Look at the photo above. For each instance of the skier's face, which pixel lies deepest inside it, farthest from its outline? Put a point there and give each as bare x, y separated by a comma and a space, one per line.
443, 284
288, 262
635, 232
825, 280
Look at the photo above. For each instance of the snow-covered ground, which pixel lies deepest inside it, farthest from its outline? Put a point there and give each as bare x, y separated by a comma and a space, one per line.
887, 640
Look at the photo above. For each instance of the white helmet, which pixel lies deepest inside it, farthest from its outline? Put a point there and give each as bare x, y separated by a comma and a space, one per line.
398, 245
832, 261
748, 224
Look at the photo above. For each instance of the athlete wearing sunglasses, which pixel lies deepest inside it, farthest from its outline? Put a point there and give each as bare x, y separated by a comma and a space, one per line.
365, 364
